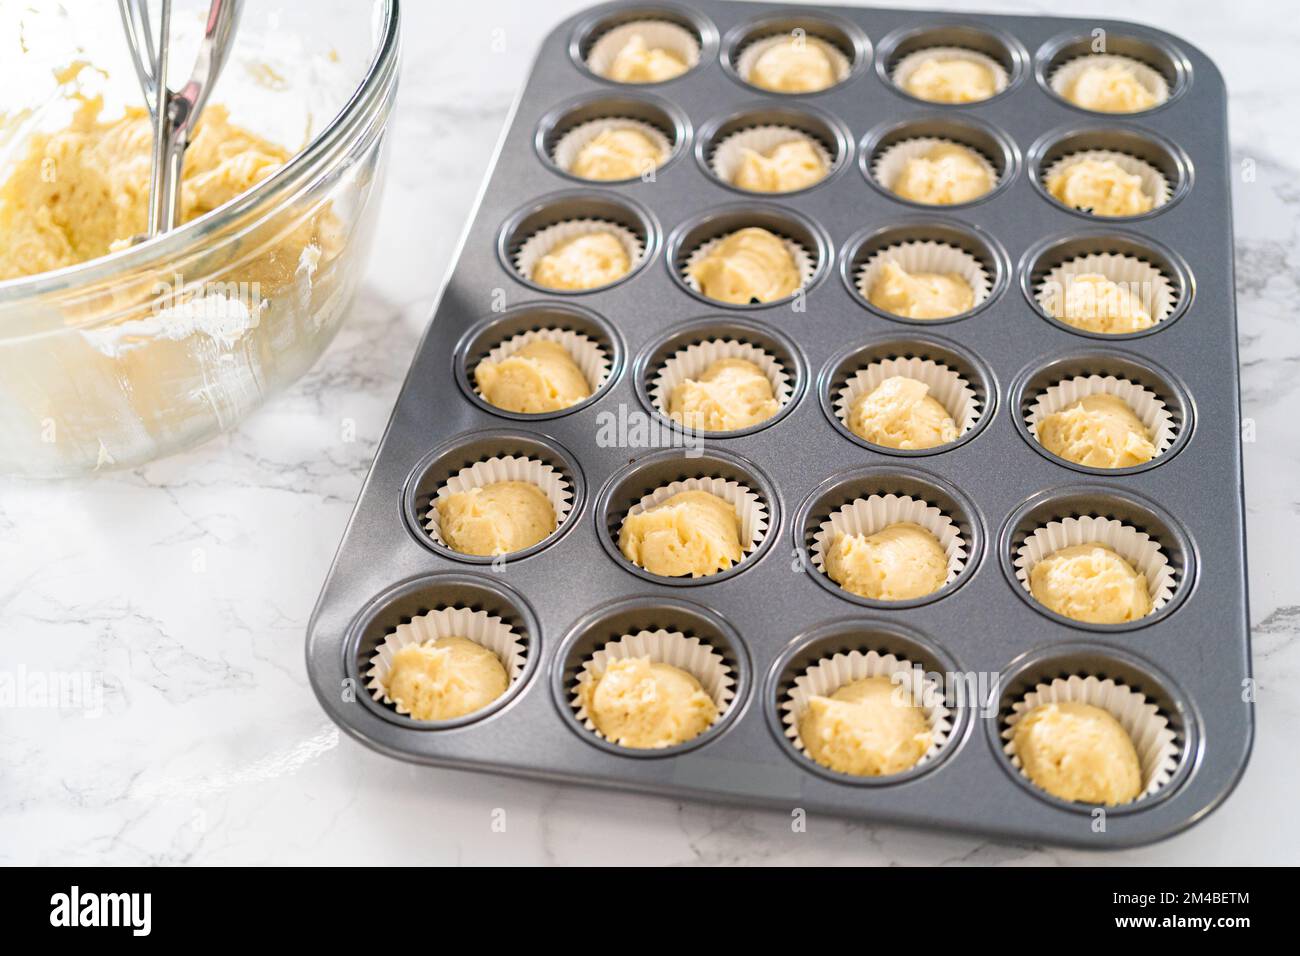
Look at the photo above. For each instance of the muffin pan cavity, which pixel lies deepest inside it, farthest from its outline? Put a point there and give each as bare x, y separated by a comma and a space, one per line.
1162, 167
847, 47
1157, 63
886, 148
904, 50
761, 127
681, 31
565, 130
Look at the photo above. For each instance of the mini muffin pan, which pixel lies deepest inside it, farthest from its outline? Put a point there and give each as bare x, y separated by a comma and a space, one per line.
1184, 670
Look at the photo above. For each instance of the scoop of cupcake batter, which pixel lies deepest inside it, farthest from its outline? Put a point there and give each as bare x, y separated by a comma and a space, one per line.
1101, 187
498, 518
1100, 431
444, 679
617, 154
921, 295
750, 265
1111, 88
951, 80
1076, 751
693, 532
900, 413
588, 261
898, 563
539, 377
946, 174
794, 164
638, 62
866, 728
1093, 302
1091, 583
647, 704
731, 393
799, 64
83, 191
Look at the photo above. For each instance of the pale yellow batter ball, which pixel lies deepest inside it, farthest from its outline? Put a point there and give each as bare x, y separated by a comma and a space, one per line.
539, 377
867, 728
693, 532
921, 295
900, 413
614, 154
794, 65
646, 704
638, 62
750, 265
583, 262
794, 164
444, 679
730, 394
498, 518
951, 80
1078, 752
947, 174
1090, 583
1110, 89
1100, 431
898, 563
1095, 303
1101, 187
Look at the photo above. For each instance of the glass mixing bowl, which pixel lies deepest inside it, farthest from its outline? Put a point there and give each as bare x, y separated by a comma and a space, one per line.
161, 345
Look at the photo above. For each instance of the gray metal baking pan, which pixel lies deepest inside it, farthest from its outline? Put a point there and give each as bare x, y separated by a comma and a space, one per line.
773, 615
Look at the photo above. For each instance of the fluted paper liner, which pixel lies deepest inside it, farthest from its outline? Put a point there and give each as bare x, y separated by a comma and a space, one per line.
926, 256
729, 152
804, 261
692, 362
544, 240
1148, 407
840, 64
569, 146
947, 387
909, 64
1156, 744
749, 508
588, 355
1154, 184
1136, 547
888, 164
662, 647
1156, 292
829, 674
866, 516
505, 468
658, 34
482, 628
1063, 77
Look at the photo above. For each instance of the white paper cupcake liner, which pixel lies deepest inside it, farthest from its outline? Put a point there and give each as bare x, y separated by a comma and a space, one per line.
1063, 77
1156, 744
804, 261
662, 647
1154, 290
1150, 410
926, 256
506, 468
544, 240
947, 387
749, 507
1154, 184
831, 673
909, 64
888, 165
480, 627
1136, 547
729, 153
692, 361
566, 149
657, 34
589, 356
866, 516
840, 64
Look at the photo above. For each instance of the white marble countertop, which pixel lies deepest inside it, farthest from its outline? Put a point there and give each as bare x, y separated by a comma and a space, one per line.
186, 585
